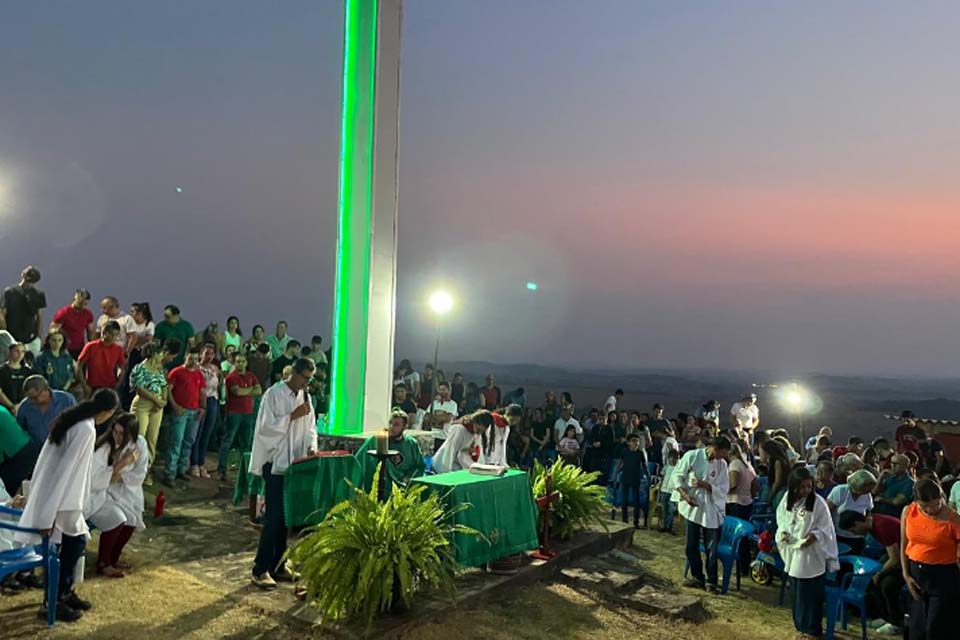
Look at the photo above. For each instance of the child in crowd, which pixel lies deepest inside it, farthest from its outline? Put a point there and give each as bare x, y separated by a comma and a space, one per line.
668, 504
634, 478
569, 446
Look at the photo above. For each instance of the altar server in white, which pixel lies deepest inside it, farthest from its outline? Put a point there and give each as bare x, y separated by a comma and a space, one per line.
466, 443
59, 489
807, 542
286, 430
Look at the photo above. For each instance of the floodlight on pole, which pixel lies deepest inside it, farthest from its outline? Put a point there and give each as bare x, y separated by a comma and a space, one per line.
441, 302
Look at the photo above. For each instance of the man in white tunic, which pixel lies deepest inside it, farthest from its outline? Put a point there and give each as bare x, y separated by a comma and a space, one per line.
745, 416
701, 480
286, 430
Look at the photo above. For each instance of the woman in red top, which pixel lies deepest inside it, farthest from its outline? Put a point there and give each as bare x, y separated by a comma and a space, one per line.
929, 540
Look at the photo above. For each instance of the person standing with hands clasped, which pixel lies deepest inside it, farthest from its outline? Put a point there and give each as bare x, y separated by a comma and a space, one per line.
807, 543
929, 539
702, 482
285, 431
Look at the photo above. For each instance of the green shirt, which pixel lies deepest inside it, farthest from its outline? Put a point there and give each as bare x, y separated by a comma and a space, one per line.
402, 467
12, 437
182, 331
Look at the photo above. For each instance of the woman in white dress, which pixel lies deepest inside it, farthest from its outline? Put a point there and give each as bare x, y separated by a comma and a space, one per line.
126, 489
117, 453
807, 542
465, 444
59, 489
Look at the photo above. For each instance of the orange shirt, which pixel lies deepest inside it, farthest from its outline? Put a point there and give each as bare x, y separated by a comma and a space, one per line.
931, 541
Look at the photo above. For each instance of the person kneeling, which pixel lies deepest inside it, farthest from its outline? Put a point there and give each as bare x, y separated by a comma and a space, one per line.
126, 488
401, 468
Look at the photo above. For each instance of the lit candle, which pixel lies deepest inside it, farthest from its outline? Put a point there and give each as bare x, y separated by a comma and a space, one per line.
383, 437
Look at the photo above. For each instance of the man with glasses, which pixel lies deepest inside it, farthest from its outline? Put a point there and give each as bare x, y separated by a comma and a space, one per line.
173, 326
895, 487
285, 431
41, 406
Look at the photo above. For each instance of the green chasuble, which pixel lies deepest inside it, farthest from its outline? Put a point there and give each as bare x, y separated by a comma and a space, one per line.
402, 467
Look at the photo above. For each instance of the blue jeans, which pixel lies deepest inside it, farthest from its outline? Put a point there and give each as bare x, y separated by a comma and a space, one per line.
668, 510
710, 539
198, 454
183, 431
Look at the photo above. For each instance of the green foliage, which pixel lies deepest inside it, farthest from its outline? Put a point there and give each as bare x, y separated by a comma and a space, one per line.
350, 561
581, 499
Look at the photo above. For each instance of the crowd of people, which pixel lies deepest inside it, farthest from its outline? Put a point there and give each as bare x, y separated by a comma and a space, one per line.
84, 401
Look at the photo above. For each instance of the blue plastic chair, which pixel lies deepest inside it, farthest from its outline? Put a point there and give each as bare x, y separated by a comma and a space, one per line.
30, 557
872, 548
732, 534
853, 588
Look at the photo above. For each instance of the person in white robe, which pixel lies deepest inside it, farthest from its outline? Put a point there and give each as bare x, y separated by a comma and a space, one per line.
498, 435
286, 430
807, 542
465, 444
117, 454
702, 483
59, 489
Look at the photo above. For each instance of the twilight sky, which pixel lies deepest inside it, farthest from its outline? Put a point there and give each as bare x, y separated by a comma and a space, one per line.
715, 185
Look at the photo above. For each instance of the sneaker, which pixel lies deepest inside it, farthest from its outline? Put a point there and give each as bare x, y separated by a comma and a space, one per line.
876, 623
195, 471
65, 613
30, 580
76, 602
110, 572
285, 575
203, 472
889, 630
714, 589
167, 481
148, 481
183, 476
223, 477
264, 581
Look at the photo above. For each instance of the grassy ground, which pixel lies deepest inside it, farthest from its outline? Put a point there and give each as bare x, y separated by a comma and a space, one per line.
191, 580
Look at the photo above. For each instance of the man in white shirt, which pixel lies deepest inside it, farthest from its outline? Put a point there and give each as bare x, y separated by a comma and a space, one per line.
110, 310
745, 416
611, 403
285, 431
565, 420
702, 481
442, 412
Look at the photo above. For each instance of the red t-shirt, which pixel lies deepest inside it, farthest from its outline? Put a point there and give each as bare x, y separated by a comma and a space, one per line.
102, 361
240, 404
886, 529
73, 325
186, 385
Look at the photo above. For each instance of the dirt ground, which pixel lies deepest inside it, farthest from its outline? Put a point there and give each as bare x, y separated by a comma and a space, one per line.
190, 579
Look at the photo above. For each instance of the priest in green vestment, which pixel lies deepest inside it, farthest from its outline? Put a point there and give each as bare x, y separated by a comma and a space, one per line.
406, 465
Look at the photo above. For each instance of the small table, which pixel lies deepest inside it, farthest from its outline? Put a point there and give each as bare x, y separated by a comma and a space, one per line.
501, 508
313, 486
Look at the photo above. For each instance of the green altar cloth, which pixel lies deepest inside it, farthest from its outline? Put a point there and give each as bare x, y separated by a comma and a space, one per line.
501, 508
312, 487
247, 483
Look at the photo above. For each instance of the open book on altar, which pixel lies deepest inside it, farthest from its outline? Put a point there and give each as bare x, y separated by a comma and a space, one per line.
322, 454
487, 469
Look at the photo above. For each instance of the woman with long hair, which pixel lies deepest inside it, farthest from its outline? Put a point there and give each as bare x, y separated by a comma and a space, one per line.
54, 362
775, 458
110, 458
139, 333
466, 443
808, 545
126, 486
233, 336
61, 482
257, 337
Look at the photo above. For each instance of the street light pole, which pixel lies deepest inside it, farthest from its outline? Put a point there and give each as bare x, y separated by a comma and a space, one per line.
436, 351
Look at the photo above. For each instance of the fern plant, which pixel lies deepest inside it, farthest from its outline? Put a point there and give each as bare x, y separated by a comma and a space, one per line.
581, 500
365, 555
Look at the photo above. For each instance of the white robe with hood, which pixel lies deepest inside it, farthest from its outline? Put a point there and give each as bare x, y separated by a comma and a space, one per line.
60, 486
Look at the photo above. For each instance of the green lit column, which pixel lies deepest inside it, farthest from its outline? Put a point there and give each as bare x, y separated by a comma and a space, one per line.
365, 291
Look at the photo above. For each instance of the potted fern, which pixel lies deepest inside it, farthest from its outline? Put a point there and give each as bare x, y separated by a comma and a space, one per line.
367, 557
581, 500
